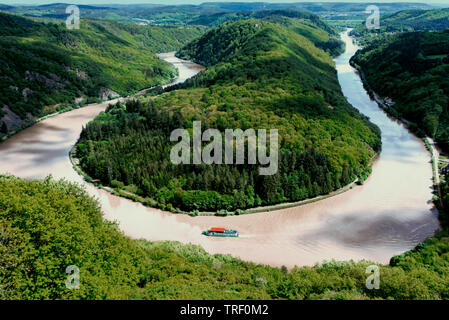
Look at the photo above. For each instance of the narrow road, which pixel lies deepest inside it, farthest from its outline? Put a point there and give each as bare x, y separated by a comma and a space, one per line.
436, 170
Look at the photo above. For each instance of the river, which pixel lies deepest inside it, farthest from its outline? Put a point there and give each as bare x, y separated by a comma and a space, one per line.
388, 215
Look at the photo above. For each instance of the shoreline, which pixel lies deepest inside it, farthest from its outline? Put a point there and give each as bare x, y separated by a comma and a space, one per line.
425, 140
71, 108
263, 209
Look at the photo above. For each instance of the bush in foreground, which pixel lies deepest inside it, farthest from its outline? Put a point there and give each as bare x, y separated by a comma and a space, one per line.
46, 226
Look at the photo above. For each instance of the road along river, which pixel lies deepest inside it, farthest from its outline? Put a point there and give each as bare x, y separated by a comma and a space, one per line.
388, 215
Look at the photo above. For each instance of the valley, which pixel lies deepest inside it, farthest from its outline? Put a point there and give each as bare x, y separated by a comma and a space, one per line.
87, 178
46, 68
337, 228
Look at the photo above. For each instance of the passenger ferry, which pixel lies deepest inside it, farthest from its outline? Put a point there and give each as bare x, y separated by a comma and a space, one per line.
221, 232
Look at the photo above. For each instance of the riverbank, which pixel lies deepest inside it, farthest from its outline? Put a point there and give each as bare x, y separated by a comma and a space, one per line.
154, 204
415, 130
31, 123
223, 213
71, 108
182, 271
170, 57
180, 76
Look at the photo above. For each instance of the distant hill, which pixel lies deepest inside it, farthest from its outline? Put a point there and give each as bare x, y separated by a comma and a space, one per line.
304, 23
5, 7
418, 20
218, 18
45, 67
344, 15
191, 14
318, 7
63, 6
408, 21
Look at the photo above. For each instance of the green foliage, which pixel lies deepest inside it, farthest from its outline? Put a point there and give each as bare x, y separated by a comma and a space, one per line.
307, 25
46, 226
45, 65
305, 17
261, 75
415, 77
215, 13
405, 21
445, 198
4, 128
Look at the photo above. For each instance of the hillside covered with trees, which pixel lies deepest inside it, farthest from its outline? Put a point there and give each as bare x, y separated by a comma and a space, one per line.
213, 13
261, 75
405, 21
46, 226
303, 23
414, 77
44, 66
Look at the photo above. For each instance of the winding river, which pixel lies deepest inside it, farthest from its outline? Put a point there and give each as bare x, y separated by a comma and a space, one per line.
388, 215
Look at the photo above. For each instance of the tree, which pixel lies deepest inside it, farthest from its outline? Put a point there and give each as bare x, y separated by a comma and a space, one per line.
4, 128
430, 123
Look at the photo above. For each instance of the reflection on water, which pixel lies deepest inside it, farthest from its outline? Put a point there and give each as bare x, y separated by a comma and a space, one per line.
186, 69
390, 214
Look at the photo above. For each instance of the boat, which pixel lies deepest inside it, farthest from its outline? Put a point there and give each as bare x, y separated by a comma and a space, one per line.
221, 232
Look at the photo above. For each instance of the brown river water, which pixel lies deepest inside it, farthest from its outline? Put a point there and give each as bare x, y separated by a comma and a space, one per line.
389, 214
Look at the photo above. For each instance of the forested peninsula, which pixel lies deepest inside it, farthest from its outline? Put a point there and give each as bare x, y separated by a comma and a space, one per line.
261, 75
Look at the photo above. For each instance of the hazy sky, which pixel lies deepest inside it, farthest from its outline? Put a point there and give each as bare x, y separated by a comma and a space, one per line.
21, 2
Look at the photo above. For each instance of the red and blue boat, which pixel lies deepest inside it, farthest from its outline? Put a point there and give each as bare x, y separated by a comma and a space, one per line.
221, 232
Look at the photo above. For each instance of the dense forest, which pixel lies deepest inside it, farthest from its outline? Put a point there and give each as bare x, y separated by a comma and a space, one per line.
306, 24
445, 197
338, 14
260, 75
219, 18
46, 226
414, 77
273, 71
405, 21
45, 67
